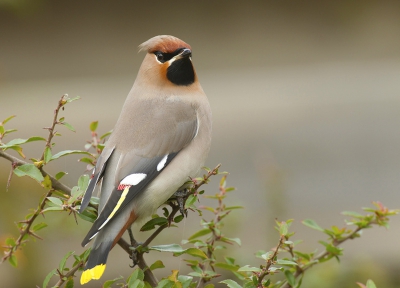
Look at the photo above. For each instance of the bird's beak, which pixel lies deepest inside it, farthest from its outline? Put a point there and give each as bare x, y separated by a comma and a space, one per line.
184, 54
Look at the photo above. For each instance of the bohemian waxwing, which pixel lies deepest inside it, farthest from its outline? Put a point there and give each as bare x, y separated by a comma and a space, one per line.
161, 138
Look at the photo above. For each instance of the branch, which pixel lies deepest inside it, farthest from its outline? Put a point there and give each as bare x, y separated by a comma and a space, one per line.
57, 185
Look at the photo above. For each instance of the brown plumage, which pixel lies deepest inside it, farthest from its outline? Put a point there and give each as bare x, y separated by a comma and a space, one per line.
162, 138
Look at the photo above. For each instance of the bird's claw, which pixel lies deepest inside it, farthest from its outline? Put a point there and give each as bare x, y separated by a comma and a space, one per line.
181, 197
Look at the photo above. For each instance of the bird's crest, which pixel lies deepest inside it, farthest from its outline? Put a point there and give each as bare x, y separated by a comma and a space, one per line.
164, 44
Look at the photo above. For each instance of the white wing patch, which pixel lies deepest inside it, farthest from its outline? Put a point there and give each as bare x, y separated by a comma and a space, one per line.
133, 179
161, 164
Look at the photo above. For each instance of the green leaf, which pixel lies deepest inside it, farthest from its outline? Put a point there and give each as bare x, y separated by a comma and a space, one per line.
159, 221
352, 214
93, 126
283, 229
48, 277
233, 207
1, 129
63, 261
59, 175
86, 160
105, 135
108, 283
68, 152
7, 119
231, 284
157, 265
174, 248
190, 201
227, 266
247, 268
8, 131
69, 100
13, 260
185, 280
200, 233
70, 283
178, 218
39, 226
10, 242
285, 262
290, 278
56, 201
29, 170
370, 284
46, 183
193, 252
53, 209
83, 182
47, 155
19, 141
230, 240
312, 224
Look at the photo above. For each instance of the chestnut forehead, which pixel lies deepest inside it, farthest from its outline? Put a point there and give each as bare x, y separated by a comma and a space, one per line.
169, 46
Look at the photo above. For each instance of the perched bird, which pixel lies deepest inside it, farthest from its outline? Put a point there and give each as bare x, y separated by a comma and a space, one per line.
161, 138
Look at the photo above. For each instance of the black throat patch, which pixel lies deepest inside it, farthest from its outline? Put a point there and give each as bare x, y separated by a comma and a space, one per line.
181, 72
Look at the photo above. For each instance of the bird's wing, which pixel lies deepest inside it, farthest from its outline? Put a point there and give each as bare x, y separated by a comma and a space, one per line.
97, 174
156, 136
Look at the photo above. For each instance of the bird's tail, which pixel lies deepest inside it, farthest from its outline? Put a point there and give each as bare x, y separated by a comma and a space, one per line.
97, 262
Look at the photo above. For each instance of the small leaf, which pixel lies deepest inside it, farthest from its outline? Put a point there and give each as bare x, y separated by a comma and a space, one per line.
59, 175
195, 252
46, 183
108, 283
47, 154
19, 141
8, 119
231, 284
159, 221
53, 209
312, 224
63, 261
285, 262
370, 284
290, 277
190, 201
283, 229
13, 261
93, 126
105, 135
29, 170
157, 265
247, 268
178, 218
68, 152
48, 277
55, 200
83, 182
174, 248
39, 226
200, 233
10, 242
69, 100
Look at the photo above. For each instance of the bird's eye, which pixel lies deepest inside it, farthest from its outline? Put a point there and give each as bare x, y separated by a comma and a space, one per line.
160, 56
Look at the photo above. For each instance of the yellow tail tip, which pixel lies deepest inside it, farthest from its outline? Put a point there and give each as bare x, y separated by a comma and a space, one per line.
93, 273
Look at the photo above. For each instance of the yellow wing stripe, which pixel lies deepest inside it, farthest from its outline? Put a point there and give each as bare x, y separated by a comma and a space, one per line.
120, 201
94, 273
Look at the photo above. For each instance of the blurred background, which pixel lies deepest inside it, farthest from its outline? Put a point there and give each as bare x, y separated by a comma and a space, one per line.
306, 107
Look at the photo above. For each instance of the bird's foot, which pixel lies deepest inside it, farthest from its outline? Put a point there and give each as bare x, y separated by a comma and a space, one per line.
134, 247
181, 197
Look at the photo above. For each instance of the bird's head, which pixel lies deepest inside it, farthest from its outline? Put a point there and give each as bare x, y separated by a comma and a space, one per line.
168, 61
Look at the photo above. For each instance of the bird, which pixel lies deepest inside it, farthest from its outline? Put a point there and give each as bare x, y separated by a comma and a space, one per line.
161, 139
